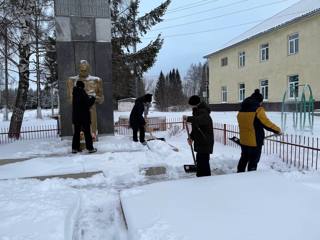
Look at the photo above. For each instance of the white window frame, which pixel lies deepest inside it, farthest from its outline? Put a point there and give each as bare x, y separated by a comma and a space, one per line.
295, 42
242, 92
293, 85
242, 58
264, 89
264, 52
224, 94
224, 61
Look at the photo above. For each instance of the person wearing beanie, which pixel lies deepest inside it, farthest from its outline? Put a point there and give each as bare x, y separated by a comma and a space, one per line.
201, 134
137, 117
252, 120
81, 104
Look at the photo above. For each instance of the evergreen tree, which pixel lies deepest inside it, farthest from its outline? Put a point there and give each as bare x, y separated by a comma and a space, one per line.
160, 93
180, 98
126, 33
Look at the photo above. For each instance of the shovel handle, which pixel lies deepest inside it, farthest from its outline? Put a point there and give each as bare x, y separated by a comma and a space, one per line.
191, 147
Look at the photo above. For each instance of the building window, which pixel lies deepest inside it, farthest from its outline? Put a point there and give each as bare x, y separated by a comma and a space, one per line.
224, 61
264, 89
264, 52
293, 86
242, 59
224, 94
242, 92
293, 43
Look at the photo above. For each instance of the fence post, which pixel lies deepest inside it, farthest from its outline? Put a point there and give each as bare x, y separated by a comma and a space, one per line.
184, 119
225, 134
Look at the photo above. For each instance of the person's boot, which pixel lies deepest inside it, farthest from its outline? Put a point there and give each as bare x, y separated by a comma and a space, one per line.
76, 150
92, 150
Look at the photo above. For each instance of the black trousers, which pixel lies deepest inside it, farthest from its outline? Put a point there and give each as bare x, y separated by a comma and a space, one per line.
250, 157
87, 135
141, 130
203, 165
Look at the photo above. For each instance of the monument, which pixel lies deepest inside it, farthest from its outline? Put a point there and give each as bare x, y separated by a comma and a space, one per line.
83, 29
93, 87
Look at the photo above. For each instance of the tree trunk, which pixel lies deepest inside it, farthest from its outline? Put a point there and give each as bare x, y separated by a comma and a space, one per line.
21, 99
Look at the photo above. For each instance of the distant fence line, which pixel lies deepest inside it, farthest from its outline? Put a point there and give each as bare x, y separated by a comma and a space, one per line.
30, 133
295, 150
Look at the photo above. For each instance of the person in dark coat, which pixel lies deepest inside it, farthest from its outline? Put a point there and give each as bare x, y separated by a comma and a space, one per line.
137, 120
252, 121
201, 135
81, 104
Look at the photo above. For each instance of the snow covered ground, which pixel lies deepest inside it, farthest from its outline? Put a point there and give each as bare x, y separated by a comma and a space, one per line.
89, 209
235, 206
29, 119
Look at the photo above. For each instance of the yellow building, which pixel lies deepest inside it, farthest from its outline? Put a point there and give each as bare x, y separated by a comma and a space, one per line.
280, 53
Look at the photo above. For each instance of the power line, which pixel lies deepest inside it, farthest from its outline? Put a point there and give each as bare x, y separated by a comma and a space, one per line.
191, 5
219, 16
222, 28
209, 10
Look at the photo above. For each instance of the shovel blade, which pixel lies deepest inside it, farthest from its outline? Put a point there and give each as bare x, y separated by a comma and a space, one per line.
190, 168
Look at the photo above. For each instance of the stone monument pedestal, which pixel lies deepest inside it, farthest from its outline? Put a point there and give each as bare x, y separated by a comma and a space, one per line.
83, 30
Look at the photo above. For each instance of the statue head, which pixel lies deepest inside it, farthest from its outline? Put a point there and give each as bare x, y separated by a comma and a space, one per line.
84, 68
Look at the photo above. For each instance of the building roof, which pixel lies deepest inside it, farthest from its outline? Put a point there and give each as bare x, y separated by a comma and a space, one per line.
295, 12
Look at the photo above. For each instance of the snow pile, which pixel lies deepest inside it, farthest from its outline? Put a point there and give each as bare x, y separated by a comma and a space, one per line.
32, 211
256, 205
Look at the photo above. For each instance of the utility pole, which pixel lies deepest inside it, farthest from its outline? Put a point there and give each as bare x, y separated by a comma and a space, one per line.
39, 115
6, 91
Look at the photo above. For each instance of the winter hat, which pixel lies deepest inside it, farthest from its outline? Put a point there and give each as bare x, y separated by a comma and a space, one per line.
148, 97
194, 100
80, 84
257, 95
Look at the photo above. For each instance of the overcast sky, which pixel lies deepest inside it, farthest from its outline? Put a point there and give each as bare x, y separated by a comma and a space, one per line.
194, 28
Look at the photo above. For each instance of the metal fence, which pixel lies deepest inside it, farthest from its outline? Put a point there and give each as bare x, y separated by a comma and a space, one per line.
29, 132
299, 151
170, 124
295, 150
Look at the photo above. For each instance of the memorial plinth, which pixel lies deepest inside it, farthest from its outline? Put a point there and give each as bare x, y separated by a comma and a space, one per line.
83, 29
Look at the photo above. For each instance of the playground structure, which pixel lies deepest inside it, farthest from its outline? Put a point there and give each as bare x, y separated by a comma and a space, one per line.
298, 101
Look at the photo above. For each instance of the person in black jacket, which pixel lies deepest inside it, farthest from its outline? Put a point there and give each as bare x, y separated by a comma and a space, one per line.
137, 121
201, 135
81, 104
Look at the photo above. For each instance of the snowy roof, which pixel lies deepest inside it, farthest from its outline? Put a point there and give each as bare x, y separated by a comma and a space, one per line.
297, 11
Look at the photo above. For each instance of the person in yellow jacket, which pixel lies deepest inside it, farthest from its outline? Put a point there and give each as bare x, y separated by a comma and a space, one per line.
252, 120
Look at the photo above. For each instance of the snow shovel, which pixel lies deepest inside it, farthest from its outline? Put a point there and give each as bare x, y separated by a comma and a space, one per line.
162, 139
237, 140
190, 168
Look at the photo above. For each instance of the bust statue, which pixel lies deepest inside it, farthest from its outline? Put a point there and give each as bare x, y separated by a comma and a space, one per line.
93, 87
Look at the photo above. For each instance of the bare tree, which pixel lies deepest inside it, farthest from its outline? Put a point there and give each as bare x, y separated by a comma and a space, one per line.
21, 18
193, 79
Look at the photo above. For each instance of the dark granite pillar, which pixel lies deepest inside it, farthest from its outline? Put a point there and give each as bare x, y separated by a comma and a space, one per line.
84, 33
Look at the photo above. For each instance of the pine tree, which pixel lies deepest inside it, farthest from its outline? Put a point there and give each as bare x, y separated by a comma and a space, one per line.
126, 33
180, 98
160, 93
